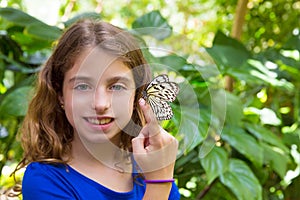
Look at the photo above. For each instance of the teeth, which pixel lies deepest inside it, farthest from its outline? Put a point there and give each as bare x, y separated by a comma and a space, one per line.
104, 121
99, 122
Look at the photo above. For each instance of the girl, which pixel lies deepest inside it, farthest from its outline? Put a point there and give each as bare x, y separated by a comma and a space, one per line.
88, 134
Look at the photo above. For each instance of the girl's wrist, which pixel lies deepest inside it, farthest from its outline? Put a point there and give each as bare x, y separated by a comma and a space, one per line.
159, 181
165, 173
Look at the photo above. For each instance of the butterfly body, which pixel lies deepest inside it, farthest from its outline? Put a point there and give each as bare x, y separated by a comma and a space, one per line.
158, 94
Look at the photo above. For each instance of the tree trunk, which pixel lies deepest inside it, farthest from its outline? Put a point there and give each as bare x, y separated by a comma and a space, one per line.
236, 33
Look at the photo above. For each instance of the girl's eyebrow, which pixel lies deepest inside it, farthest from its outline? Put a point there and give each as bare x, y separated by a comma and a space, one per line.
79, 78
119, 79
110, 80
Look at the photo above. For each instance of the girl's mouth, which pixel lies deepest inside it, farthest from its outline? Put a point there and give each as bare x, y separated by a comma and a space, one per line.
97, 121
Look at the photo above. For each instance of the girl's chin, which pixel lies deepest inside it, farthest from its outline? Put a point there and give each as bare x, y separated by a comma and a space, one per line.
100, 137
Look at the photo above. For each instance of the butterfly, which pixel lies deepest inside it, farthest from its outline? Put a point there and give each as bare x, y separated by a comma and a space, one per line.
158, 93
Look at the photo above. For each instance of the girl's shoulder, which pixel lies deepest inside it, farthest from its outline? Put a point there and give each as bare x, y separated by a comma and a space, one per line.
45, 166
38, 170
42, 179
41, 166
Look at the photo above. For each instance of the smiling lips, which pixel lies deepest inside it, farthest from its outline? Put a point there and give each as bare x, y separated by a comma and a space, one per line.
99, 121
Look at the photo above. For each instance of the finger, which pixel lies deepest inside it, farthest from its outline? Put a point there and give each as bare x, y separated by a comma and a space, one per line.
138, 144
152, 123
147, 111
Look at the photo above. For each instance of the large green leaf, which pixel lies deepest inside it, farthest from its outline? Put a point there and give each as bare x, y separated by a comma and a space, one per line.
85, 15
44, 31
244, 143
219, 103
275, 158
215, 119
189, 128
228, 52
32, 25
293, 43
18, 17
261, 72
233, 59
234, 109
241, 181
264, 134
16, 102
215, 163
153, 24
173, 61
193, 124
10, 47
15, 66
224, 40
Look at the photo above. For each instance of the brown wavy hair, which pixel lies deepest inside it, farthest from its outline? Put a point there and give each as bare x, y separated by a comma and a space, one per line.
46, 134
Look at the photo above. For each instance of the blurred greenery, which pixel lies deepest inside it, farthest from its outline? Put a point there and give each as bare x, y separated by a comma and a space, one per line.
242, 144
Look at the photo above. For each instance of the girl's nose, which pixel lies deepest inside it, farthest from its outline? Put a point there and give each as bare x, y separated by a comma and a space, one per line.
102, 100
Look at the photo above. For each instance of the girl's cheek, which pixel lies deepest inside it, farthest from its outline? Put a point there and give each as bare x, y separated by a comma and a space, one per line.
124, 101
74, 107
69, 115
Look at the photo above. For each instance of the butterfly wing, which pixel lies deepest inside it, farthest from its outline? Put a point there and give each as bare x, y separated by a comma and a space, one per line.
158, 93
159, 79
161, 109
166, 91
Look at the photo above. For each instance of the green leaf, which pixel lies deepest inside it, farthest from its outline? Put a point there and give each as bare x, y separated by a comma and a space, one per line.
244, 143
16, 102
234, 108
224, 40
218, 100
241, 181
32, 25
184, 159
85, 15
18, 17
266, 115
187, 95
215, 119
259, 71
215, 163
189, 128
10, 46
293, 43
190, 132
173, 61
44, 31
244, 74
264, 134
15, 66
228, 52
275, 158
152, 24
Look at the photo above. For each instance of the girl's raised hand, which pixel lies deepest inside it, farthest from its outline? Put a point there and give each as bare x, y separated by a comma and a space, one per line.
154, 149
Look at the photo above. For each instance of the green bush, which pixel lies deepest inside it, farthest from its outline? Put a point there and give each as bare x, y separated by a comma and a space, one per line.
233, 145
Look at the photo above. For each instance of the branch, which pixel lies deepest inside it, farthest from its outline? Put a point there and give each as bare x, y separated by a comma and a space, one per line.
206, 190
236, 33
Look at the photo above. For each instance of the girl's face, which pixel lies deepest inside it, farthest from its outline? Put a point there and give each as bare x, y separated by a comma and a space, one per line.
98, 96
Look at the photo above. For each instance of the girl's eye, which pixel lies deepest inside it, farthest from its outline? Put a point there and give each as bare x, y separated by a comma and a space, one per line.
82, 87
117, 87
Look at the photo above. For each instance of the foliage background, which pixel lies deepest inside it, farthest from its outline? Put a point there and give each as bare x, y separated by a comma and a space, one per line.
255, 126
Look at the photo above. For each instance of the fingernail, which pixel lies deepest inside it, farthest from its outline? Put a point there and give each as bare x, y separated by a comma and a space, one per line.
142, 101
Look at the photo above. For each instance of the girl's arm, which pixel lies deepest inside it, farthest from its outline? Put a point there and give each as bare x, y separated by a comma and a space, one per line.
155, 152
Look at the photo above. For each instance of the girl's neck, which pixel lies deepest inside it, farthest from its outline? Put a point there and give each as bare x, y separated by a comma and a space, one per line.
109, 168
99, 155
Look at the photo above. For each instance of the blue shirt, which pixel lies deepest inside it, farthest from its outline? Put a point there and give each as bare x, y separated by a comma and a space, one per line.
48, 181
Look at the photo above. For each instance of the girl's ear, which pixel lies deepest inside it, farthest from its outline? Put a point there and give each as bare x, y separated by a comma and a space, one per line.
61, 99
61, 102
